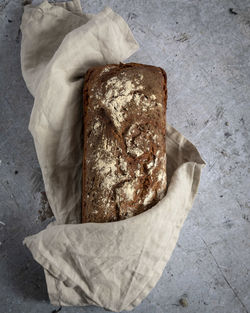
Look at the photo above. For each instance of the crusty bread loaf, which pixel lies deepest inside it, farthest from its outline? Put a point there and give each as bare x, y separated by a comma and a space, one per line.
124, 157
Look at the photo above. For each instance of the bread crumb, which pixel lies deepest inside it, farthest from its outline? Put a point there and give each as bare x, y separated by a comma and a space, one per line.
129, 190
137, 99
162, 177
97, 125
123, 164
151, 164
137, 173
149, 197
106, 146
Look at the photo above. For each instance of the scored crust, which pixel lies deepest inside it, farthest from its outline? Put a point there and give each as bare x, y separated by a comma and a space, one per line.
124, 151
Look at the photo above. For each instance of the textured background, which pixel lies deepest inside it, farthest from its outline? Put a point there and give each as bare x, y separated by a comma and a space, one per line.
205, 49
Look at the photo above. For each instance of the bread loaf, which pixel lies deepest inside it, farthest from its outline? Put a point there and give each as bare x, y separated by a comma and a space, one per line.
124, 155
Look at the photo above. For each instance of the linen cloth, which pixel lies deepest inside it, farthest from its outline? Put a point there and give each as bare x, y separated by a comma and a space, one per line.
111, 265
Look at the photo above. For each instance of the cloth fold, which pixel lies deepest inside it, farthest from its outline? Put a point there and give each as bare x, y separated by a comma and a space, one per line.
111, 265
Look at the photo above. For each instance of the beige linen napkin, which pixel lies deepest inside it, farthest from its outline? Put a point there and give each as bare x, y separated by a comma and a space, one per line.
111, 265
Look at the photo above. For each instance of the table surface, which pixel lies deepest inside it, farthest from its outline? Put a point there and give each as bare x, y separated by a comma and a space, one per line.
204, 46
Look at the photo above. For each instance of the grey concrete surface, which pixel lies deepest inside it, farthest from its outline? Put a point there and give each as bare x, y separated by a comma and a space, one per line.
205, 49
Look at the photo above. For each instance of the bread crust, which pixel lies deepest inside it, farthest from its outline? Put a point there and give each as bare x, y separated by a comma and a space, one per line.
124, 151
